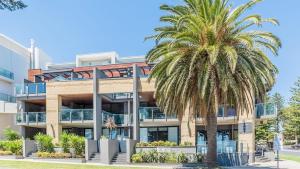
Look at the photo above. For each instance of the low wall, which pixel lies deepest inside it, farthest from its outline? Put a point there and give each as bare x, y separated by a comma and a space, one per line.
109, 148
187, 150
29, 147
130, 149
91, 147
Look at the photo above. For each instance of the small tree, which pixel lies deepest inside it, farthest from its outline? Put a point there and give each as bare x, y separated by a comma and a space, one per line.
11, 134
110, 124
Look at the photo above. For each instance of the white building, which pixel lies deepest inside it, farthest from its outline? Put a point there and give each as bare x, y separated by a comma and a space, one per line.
15, 61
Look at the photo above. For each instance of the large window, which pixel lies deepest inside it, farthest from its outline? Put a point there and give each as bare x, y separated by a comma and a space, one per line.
151, 134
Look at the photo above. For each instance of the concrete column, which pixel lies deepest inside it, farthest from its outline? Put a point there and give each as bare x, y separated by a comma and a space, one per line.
188, 127
53, 126
97, 104
246, 131
136, 124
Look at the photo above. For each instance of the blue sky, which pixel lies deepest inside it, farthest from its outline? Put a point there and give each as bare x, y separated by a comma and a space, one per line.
64, 28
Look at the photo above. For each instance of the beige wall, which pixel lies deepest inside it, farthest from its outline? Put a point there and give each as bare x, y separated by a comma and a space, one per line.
7, 120
53, 102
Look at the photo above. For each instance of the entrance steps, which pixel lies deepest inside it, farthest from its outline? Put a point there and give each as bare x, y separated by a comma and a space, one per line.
95, 158
120, 158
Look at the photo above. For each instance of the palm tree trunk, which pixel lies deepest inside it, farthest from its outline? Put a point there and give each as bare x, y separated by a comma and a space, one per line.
211, 140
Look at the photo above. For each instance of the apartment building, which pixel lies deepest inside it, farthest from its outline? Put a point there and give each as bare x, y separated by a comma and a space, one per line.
15, 62
79, 97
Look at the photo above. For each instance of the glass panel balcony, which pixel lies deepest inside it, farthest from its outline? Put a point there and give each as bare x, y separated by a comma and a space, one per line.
7, 98
76, 115
6, 73
30, 89
265, 110
119, 119
153, 113
31, 118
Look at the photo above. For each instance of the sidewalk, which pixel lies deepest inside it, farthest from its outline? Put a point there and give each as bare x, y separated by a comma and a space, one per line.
284, 164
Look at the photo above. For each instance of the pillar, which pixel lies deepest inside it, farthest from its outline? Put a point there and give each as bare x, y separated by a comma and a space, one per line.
53, 127
135, 108
246, 130
97, 104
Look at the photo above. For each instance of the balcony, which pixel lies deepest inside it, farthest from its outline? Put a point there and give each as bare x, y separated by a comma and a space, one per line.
6, 74
120, 119
154, 114
7, 98
30, 89
76, 115
265, 110
31, 118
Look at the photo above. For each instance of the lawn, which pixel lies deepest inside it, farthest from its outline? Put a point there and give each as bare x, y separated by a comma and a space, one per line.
41, 165
290, 157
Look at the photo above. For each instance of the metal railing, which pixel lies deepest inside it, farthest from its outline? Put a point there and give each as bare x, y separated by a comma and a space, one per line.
31, 118
76, 115
7, 74
153, 113
264, 110
30, 89
7, 98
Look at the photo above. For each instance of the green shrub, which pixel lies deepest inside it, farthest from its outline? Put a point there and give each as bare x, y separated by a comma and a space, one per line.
78, 143
4, 153
171, 158
198, 158
136, 158
186, 143
44, 143
2, 145
65, 142
153, 156
14, 146
53, 155
157, 144
11, 134
182, 158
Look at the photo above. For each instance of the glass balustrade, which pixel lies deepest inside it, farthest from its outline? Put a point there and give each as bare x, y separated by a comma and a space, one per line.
225, 146
6, 73
265, 109
153, 113
119, 119
31, 118
70, 115
7, 98
30, 89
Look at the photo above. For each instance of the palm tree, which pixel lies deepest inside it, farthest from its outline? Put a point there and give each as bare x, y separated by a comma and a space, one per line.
207, 56
12, 5
110, 124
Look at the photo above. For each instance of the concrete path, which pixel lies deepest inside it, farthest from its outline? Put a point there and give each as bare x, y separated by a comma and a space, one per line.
272, 165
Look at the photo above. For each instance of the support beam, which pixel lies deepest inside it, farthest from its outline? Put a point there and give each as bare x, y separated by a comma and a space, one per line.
136, 124
246, 131
97, 104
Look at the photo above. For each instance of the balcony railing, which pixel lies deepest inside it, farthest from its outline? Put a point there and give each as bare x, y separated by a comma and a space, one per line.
30, 89
31, 118
265, 110
7, 98
120, 119
6, 73
153, 113
76, 115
